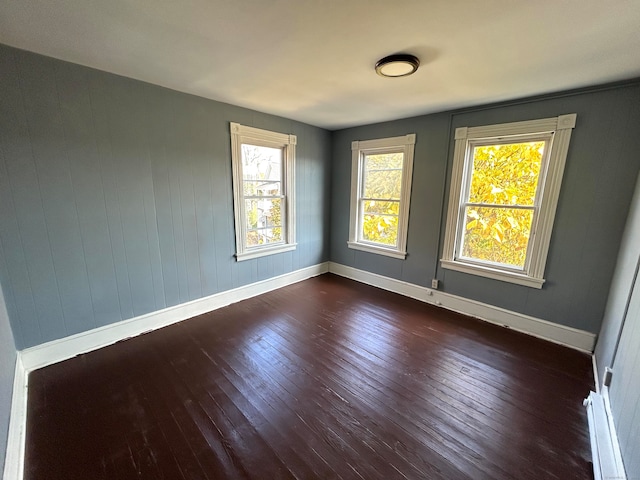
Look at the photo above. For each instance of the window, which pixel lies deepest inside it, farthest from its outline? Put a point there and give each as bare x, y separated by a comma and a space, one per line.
380, 193
263, 191
504, 191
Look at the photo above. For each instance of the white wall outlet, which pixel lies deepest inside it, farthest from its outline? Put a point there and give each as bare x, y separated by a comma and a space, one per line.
434, 283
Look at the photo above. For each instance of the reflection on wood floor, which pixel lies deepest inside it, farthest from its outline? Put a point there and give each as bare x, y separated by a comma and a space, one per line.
327, 378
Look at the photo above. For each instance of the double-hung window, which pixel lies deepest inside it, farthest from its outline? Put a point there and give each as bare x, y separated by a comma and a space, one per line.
263, 188
380, 194
504, 190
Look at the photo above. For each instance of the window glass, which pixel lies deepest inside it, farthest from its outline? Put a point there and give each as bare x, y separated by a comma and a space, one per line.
505, 185
381, 187
381, 193
499, 210
263, 180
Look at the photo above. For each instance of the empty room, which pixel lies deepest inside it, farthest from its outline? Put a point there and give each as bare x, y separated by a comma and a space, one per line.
319, 240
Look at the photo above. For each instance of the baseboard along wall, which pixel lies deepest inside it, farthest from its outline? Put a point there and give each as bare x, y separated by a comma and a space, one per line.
605, 449
68, 347
553, 332
58, 350
14, 459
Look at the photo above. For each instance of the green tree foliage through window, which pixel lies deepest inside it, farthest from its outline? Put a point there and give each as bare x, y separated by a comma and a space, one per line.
498, 213
262, 190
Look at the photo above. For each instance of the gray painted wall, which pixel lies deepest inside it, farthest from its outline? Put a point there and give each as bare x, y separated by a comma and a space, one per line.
116, 197
621, 287
601, 170
625, 388
622, 321
7, 369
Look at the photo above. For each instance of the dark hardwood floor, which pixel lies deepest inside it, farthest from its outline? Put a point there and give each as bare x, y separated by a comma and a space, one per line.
327, 378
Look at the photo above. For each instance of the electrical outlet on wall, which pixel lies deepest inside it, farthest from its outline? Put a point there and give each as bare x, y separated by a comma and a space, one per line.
434, 283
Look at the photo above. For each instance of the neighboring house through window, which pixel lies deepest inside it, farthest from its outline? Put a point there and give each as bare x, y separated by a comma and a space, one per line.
504, 190
263, 187
380, 194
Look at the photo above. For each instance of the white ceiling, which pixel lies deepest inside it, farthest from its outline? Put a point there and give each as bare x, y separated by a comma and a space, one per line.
312, 60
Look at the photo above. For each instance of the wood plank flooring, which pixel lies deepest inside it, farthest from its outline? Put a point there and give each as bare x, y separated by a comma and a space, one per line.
327, 378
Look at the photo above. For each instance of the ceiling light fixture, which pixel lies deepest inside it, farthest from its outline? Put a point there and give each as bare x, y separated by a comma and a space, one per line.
398, 65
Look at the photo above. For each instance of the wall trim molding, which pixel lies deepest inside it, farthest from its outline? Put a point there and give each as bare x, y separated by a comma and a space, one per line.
58, 350
62, 349
14, 459
553, 332
68, 347
605, 449
596, 375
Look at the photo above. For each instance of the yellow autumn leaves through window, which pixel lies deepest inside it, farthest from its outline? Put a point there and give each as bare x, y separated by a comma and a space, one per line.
499, 208
380, 197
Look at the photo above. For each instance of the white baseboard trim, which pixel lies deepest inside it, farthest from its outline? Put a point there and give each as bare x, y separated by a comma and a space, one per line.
14, 459
570, 337
605, 449
68, 347
596, 377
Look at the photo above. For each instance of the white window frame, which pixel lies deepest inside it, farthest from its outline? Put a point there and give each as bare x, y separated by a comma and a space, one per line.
404, 144
555, 130
241, 134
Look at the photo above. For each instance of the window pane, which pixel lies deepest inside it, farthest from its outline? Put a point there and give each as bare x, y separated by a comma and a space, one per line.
261, 163
380, 228
263, 212
506, 174
264, 236
384, 160
262, 188
389, 208
499, 235
382, 176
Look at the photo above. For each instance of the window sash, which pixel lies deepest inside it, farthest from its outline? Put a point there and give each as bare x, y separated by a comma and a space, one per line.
283, 198
362, 213
258, 197
283, 216
461, 233
280, 187
247, 136
363, 199
556, 132
361, 150
498, 205
468, 179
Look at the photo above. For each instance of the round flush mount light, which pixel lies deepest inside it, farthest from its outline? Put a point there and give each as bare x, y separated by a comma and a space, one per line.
398, 65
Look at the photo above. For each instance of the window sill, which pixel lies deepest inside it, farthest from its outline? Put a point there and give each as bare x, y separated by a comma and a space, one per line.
494, 273
365, 247
263, 252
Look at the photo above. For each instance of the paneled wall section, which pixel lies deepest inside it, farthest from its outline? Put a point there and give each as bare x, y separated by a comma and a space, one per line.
7, 368
625, 388
116, 197
602, 166
621, 287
